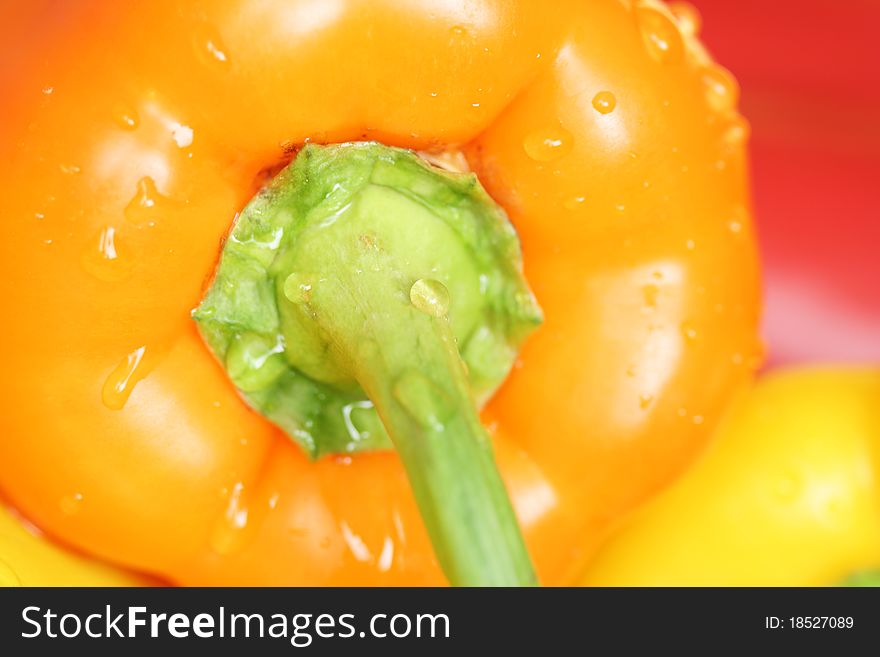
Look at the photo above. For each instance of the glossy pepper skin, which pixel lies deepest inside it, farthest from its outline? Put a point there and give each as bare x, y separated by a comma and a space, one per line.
132, 136
787, 495
28, 559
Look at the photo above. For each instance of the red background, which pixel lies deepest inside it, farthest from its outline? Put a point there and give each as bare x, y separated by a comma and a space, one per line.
810, 76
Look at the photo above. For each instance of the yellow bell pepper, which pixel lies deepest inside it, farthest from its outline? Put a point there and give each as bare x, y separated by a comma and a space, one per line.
788, 494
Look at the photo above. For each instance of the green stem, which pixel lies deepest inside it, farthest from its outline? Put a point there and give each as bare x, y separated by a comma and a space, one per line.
449, 461
418, 383
364, 280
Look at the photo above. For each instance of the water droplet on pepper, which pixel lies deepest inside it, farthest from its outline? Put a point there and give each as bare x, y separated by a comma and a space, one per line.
720, 88
688, 332
574, 203
209, 47
737, 132
661, 36
386, 556
125, 376
604, 102
70, 169
687, 16
126, 116
147, 203
103, 259
182, 135
229, 534
70, 505
548, 145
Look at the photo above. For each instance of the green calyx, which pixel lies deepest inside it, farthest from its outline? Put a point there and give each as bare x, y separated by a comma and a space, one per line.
367, 300
862, 578
389, 220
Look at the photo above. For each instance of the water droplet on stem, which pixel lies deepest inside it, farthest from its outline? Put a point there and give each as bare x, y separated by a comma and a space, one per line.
298, 288
430, 296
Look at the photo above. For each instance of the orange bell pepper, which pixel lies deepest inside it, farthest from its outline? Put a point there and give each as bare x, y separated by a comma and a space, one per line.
28, 559
134, 133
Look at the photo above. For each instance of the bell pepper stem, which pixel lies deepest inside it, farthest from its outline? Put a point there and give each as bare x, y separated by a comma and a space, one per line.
355, 275
425, 403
